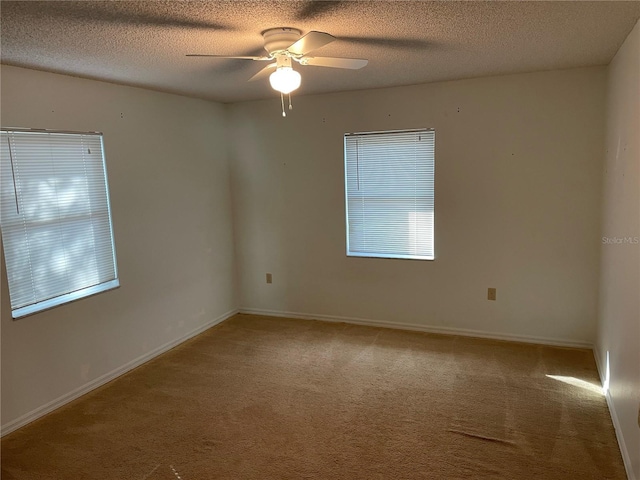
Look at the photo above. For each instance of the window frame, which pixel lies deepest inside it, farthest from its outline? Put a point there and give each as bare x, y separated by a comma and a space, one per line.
397, 256
41, 303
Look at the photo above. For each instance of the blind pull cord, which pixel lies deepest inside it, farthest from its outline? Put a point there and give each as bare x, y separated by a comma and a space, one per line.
282, 102
358, 164
13, 174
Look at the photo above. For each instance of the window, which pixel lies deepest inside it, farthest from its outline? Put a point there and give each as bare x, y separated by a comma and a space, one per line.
56, 221
390, 194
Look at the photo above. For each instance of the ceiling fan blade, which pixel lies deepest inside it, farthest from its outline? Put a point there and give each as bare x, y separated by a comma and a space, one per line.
227, 56
351, 63
311, 41
264, 72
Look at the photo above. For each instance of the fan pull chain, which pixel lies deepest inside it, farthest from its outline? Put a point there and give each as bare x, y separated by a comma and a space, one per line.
282, 102
290, 106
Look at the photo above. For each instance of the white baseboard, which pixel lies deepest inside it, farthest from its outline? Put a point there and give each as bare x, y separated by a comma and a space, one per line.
107, 377
424, 328
614, 418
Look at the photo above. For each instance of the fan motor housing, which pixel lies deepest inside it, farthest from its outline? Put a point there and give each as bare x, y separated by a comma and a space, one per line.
277, 39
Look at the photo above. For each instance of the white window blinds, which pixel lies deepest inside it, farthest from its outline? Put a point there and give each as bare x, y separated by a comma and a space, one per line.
56, 222
390, 194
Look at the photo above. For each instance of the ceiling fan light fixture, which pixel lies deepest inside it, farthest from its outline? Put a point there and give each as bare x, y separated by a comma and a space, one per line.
285, 80
284, 45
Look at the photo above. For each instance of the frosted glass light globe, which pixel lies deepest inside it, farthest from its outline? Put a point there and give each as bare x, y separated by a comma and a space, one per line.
285, 80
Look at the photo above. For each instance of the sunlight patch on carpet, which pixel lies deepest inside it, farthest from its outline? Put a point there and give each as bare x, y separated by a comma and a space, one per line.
576, 382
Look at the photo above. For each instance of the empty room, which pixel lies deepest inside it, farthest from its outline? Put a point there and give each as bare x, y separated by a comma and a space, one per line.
320, 240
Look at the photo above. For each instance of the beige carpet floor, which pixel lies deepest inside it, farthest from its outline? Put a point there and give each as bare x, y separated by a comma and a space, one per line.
272, 398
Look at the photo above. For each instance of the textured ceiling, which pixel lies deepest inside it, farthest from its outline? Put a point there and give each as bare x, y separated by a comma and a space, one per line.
144, 43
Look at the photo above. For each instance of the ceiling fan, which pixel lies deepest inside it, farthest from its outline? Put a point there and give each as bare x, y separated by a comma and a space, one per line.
285, 45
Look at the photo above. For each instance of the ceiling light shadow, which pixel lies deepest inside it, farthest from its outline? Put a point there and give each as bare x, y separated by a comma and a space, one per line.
312, 10
397, 43
115, 13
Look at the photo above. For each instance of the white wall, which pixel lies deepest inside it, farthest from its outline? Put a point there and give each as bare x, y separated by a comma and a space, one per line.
518, 189
518, 197
169, 183
619, 308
